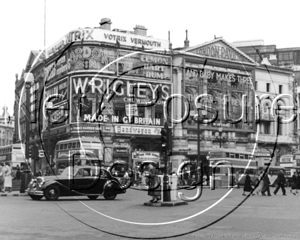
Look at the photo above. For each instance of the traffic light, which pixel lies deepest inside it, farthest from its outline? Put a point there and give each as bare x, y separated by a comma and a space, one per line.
164, 138
29, 152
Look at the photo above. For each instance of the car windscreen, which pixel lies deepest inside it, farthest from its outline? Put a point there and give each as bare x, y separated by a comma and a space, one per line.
69, 171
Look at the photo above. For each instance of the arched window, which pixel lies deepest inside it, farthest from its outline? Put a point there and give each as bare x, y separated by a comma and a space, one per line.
266, 108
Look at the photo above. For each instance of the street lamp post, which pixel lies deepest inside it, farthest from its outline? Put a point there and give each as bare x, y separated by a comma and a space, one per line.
49, 107
204, 113
29, 79
49, 130
198, 141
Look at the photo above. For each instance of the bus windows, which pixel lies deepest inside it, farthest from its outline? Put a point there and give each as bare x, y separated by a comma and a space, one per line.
61, 147
236, 155
65, 146
78, 145
227, 155
74, 145
242, 156
246, 156
231, 155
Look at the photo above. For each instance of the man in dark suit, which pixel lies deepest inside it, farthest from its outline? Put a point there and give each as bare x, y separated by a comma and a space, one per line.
281, 182
266, 186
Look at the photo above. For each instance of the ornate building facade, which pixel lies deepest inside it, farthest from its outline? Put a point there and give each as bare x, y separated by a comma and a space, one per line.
114, 85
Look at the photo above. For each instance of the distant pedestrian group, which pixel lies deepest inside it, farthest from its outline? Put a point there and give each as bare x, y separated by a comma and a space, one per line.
263, 184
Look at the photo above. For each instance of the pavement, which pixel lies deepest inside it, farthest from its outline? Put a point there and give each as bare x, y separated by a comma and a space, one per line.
12, 194
126, 217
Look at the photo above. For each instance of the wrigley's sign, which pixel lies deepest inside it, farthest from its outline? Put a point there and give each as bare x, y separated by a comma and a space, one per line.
101, 35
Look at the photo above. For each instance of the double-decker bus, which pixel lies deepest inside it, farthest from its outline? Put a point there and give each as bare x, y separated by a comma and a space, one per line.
13, 155
80, 151
224, 163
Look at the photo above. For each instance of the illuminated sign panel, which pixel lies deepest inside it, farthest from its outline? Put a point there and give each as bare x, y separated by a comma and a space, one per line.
56, 69
221, 82
101, 35
92, 58
114, 95
145, 65
137, 130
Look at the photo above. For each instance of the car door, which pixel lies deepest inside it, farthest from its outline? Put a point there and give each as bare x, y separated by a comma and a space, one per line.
99, 178
103, 178
82, 180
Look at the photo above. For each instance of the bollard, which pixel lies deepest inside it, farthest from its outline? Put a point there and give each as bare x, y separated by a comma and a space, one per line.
25, 180
166, 189
173, 185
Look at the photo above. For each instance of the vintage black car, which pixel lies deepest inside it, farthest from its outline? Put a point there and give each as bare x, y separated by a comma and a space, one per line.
90, 181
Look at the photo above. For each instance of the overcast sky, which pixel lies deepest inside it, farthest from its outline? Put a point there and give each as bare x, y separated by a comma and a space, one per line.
22, 25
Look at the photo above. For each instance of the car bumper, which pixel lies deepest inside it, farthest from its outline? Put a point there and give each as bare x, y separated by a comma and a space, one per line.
121, 191
35, 192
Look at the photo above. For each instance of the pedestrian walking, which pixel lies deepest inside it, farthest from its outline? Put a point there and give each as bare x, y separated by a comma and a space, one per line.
281, 182
298, 182
266, 183
185, 176
261, 183
8, 178
2, 177
18, 174
294, 184
237, 179
153, 182
247, 186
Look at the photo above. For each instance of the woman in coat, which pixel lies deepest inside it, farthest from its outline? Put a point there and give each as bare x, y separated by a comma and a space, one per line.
2, 177
8, 178
154, 184
247, 186
294, 184
298, 182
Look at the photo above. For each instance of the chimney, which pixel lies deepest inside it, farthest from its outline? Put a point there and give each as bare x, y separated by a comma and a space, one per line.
186, 41
105, 23
140, 30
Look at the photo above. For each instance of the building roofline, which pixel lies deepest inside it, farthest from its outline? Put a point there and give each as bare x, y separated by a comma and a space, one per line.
225, 42
212, 58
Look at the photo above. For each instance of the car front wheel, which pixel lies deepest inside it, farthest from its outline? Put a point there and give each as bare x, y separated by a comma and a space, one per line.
52, 193
36, 197
110, 195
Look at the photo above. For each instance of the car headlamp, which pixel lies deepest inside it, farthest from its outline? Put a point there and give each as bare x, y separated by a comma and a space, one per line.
40, 181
